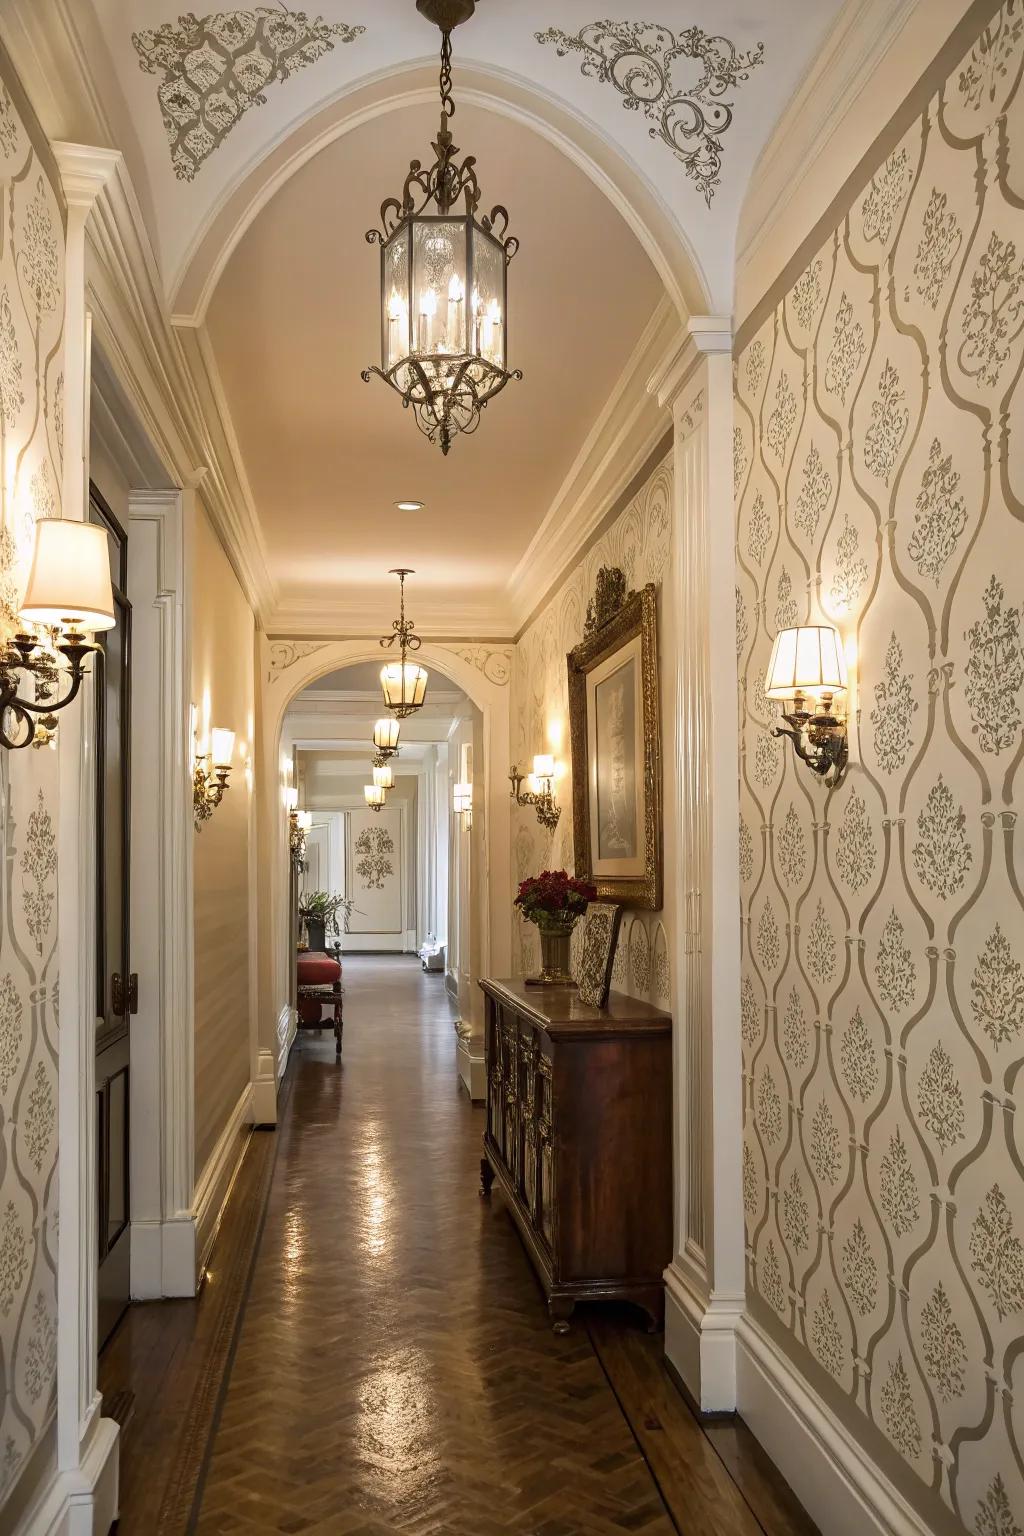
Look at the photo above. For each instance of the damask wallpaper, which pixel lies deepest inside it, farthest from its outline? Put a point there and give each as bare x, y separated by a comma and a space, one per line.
31, 446
879, 478
638, 541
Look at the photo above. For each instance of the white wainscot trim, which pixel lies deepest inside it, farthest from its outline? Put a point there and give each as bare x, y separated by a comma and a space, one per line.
181, 1246
838, 1483
78, 1502
700, 1340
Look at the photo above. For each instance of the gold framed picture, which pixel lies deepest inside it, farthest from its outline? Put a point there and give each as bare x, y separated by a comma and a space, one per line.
615, 738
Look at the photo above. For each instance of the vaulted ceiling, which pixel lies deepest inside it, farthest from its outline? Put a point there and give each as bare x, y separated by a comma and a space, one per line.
260, 143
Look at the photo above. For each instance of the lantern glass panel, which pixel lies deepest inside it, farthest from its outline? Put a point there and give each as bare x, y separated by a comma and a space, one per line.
395, 297
439, 286
489, 298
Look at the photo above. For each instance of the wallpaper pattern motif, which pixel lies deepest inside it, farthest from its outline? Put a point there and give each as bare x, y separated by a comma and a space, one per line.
639, 542
31, 448
880, 485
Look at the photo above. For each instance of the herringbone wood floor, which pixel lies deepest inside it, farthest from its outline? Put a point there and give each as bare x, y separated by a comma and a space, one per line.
393, 1370
396, 1371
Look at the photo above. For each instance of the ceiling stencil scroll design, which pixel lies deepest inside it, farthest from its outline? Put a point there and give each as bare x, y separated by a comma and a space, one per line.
679, 82
214, 68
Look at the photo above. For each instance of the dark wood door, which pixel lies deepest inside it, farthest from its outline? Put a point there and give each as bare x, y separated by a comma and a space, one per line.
115, 984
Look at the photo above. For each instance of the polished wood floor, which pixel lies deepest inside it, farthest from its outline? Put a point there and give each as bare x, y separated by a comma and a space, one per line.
385, 1364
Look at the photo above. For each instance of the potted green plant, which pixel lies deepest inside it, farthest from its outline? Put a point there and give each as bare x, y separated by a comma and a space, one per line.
554, 900
319, 913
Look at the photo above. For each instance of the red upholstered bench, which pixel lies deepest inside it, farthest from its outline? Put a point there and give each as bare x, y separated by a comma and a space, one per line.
319, 987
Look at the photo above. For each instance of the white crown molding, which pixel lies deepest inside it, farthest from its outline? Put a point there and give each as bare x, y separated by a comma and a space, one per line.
350, 615
84, 171
704, 336
783, 201
625, 434
167, 388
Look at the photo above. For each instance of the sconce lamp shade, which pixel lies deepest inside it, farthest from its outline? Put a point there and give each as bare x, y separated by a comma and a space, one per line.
291, 798
384, 776
375, 796
404, 685
462, 798
808, 660
305, 820
222, 746
69, 581
544, 766
386, 733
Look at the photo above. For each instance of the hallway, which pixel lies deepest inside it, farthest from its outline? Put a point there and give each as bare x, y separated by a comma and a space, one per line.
388, 1365
395, 1369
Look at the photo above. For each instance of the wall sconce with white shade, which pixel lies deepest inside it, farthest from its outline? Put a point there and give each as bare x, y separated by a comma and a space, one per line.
462, 804
68, 595
540, 789
807, 674
383, 775
385, 736
210, 775
376, 798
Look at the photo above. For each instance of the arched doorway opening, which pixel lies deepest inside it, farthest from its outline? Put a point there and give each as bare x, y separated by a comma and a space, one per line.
287, 669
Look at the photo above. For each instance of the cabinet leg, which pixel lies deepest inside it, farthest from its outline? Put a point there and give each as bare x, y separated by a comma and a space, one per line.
560, 1311
486, 1178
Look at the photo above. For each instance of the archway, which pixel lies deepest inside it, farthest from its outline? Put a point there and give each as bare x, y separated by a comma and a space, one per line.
655, 225
287, 667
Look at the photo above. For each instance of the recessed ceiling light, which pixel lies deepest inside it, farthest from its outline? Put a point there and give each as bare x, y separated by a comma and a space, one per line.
409, 506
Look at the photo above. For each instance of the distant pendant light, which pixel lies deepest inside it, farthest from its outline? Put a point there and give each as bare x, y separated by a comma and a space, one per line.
444, 278
385, 736
404, 683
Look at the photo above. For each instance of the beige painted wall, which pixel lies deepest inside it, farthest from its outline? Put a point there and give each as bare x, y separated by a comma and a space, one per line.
880, 486
638, 541
222, 690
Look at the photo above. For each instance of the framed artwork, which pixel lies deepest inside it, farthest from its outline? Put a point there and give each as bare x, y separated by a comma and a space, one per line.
600, 930
615, 735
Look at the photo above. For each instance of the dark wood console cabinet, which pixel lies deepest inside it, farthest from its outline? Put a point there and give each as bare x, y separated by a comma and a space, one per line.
579, 1139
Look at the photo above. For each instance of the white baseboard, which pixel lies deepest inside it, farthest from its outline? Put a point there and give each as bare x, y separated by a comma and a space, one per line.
217, 1178
700, 1340
838, 1483
287, 1029
173, 1254
472, 1071
264, 1088
82, 1502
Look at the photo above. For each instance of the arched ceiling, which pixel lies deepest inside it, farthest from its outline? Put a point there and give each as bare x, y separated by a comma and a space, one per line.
705, 81
295, 318
260, 141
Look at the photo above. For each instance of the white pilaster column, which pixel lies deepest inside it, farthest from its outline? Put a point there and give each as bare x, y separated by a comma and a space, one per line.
706, 1278
86, 1443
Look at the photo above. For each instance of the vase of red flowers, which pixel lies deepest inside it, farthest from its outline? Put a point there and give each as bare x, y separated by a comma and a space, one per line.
554, 901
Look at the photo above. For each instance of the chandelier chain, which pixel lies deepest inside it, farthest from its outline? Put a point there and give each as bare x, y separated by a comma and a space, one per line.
447, 99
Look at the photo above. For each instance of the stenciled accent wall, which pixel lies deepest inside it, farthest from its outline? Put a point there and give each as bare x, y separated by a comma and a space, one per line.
879, 477
638, 541
31, 448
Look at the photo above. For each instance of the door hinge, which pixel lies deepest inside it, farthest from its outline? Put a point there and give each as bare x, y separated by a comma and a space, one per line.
124, 994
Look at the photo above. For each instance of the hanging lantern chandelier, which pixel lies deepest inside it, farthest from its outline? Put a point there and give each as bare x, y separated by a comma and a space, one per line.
404, 683
444, 278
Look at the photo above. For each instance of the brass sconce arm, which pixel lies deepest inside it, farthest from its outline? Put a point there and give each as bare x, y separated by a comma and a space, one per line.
819, 739
26, 655
548, 812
